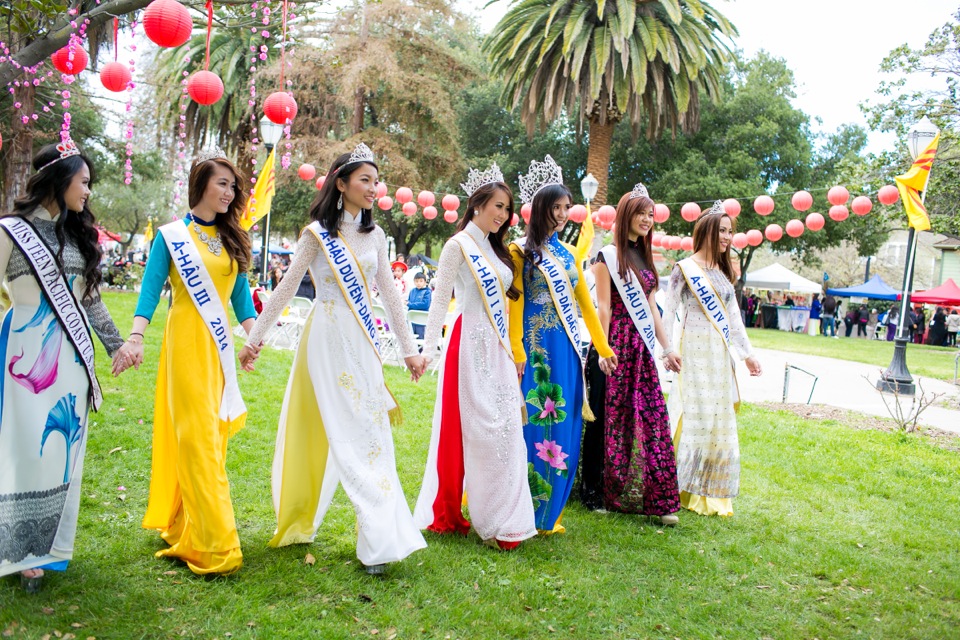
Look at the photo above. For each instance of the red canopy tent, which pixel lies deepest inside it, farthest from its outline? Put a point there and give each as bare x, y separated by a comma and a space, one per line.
948, 293
104, 236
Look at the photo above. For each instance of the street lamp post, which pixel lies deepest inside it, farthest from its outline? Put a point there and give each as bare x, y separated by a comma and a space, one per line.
270, 133
588, 187
897, 378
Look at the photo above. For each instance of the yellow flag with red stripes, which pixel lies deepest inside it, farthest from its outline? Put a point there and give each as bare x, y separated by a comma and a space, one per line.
913, 182
258, 205
585, 239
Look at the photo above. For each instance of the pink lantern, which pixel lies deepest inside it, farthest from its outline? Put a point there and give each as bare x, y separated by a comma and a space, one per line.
754, 237
690, 211
794, 228
732, 207
426, 198
861, 205
802, 200
450, 215
815, 221
773, 232
595, 219
525, 212
205, 87
450, 202
838, 213
385, 203
577, 213
739, 241
307, 171
404, 195
115, 76
607, 215
686, 244
429, 212
660, 213
409, 208
763, 205
656, 239
838, 195
676, 243
514, 220
320, 182
888, 194
381, 189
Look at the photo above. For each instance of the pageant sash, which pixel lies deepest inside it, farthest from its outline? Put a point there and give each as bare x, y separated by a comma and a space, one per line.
57, 289
709, 301
491, 289
561, 290
185, 256
634, 299
351, 280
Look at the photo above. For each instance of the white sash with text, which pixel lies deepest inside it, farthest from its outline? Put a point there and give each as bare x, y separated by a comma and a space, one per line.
634, 299
710, 302
561, 290
491, 288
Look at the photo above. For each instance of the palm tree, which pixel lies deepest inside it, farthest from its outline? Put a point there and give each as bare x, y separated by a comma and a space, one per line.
610, 59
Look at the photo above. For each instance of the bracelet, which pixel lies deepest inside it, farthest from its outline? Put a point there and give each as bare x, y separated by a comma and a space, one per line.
667, 352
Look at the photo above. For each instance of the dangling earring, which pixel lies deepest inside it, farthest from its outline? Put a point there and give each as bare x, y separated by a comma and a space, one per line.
340, 202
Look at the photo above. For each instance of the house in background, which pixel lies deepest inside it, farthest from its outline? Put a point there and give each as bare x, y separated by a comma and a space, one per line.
949, 267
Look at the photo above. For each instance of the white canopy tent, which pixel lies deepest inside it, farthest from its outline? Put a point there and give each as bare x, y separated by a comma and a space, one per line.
778, 277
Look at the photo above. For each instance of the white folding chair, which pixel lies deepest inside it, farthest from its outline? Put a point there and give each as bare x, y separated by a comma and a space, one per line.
389, 345
415, 316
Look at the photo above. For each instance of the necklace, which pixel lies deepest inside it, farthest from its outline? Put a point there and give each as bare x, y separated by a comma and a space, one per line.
214, 243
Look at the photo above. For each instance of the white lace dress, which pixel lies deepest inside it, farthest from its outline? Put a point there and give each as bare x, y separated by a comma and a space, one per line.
704, 396
477, 440
335, 421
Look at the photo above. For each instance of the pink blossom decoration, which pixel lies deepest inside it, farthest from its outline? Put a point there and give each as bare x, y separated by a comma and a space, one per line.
549, 451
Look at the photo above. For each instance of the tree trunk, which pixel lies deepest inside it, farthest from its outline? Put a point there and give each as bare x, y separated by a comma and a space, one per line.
360, 93
598, 157
20, 155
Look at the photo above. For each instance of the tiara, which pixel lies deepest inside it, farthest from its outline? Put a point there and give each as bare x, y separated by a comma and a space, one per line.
541, 174
716, 208
66, 148
361, 153
639, 191
477, 179
209, 153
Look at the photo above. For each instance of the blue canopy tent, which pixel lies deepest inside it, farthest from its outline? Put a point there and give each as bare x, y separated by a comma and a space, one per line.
274, 250
874, 288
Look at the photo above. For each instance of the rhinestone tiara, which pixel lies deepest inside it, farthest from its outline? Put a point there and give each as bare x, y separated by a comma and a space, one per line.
476, 178
210, 153
716, 208
639, 191
361, 153
540, 175
66, 148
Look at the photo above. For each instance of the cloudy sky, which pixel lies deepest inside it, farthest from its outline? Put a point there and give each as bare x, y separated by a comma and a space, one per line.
833, 46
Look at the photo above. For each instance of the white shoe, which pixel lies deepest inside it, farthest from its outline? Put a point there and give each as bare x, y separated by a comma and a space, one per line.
669, 521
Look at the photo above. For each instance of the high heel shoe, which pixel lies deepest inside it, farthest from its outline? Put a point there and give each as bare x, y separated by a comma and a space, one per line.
31, 584
669, 521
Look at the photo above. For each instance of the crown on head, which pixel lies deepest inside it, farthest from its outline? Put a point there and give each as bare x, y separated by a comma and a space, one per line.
716, 208
540, 175
210, 153
361, 153
66, 148
639, 191
476, 179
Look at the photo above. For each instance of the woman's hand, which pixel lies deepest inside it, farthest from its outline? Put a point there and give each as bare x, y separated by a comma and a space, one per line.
520, 367
416, 365
672, 362
753, 366
609, 365
248, 356
130, 354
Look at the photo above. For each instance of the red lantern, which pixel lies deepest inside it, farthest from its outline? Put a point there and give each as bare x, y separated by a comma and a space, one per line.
577, 213
62, 61
385, 203
690, 211
838, 195
676, 243
773, 232
660, 213
763, 205
450, 202
381, 189
607, 215
802, 200
167, 23
815, 221
525, 212
404, 195
115, 76
754, 237
861, 205
205, 87
888, 194
794, 228
686, 244
429, 212
838, 213
732, 207
280, 107
426, 198
307, 171
409, 208
320, 182
514, 220
450, 215
656, 239
739, 241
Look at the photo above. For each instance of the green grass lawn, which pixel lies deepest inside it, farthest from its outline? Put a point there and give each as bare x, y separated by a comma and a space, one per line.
838, 533
932, 362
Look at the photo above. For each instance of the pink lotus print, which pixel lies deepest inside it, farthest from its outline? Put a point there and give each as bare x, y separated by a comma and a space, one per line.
549, 451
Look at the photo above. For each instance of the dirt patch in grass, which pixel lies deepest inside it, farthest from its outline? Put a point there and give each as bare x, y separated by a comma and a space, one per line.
856, 420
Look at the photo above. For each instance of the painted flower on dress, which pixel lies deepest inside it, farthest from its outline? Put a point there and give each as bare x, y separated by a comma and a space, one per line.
547, 397
540, 489
63, 419
550, 452
43, 372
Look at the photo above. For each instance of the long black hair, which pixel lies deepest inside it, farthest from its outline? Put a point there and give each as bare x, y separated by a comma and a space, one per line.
477, 200
629, 207
324, 208
50, 185
542, 221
